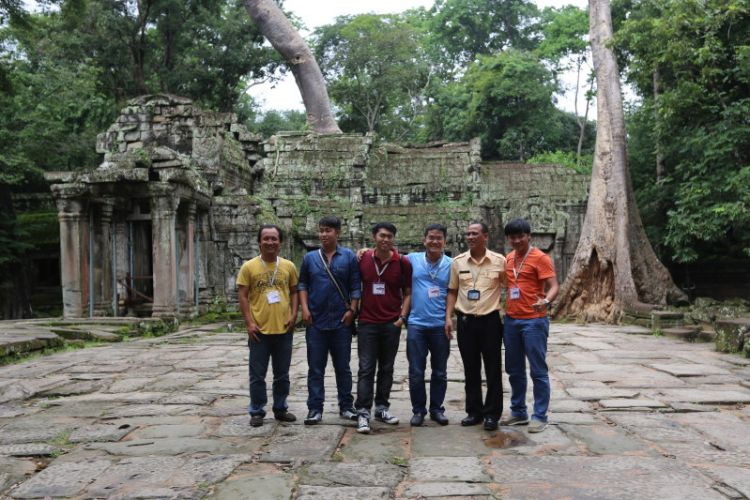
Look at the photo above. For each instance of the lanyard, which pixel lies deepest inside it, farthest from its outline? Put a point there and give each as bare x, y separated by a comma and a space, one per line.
516, 271
377, 269
273, 278
427, 267
475, 277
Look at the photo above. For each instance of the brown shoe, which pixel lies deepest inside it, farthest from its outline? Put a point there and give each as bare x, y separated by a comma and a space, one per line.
256, 420
284, 416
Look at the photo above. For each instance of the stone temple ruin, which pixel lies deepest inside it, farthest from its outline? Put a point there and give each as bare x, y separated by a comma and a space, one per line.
163, 225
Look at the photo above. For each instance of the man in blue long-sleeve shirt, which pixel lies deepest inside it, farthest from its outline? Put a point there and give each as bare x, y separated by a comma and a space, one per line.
329, 317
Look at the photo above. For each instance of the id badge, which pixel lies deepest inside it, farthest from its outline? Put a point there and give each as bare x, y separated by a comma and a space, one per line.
433, 292
378, 288
273, 297
473, 295
515, 293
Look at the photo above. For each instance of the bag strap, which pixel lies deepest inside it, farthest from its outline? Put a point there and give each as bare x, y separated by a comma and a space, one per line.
333, 278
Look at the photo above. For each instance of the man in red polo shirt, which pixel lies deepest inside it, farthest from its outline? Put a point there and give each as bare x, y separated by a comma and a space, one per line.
386, 297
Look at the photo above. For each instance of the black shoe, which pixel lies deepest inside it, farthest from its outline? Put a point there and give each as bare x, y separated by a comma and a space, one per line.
471, 420
284, 416
439, 418
256, 420
313, 417
490, 424
417, 420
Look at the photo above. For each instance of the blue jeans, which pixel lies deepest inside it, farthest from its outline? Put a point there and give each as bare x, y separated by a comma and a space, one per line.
377, 346
527, 338
421, 340
277, 349
319, 343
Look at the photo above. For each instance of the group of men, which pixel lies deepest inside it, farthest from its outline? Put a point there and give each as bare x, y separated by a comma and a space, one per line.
388, 291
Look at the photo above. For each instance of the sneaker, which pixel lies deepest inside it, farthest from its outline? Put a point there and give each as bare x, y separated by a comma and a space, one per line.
284, 416
512, 420
313, 417
363, 425
350, 414
386, 417
256, 420
537, 426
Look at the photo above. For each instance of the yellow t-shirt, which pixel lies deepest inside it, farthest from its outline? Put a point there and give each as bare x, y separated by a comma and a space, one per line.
270, 317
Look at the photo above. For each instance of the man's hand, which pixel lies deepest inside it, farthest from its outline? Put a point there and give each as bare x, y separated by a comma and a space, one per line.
348, 317
252, 332
540, 305
289, 323
449, 328
307, 318
361, 253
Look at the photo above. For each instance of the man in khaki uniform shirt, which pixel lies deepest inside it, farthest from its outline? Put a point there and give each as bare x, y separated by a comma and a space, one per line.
474, 293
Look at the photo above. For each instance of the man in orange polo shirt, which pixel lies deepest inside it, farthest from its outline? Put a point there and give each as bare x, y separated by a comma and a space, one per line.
529, 272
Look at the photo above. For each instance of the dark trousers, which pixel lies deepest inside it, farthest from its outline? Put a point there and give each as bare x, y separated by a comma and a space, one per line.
377, 346
480, 340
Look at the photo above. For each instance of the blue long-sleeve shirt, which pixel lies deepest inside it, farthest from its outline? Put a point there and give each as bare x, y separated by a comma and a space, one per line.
323, 299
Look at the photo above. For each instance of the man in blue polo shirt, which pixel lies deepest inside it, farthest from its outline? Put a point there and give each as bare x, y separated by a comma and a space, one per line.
426, 327
328, 312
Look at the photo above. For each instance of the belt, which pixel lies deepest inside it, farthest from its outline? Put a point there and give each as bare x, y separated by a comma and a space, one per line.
459, 313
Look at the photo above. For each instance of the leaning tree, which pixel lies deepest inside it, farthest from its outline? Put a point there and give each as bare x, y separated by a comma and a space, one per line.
275, 26
614, 268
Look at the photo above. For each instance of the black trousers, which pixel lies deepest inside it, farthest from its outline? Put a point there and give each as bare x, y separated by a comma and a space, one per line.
480, 340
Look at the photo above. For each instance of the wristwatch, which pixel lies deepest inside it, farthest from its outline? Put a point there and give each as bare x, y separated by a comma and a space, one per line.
548, 303
403, 318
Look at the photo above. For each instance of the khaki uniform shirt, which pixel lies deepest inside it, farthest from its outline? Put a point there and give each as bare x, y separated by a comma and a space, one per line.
486, 276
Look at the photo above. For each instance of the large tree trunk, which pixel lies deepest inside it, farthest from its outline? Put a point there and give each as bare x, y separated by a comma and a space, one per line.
279, 31
614, 268
15, 292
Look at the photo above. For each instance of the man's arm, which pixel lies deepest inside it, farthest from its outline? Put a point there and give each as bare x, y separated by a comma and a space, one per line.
307, 318
355, 291
450, 305
405, 307
552, 290
252, 329
294, 296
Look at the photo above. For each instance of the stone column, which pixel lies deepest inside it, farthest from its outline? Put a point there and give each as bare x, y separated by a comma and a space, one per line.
73, 216
163, 212
189, 279
102, 262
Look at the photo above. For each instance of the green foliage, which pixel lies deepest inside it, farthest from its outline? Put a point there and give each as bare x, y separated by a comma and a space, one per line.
273, 121
376, 72
696, 117
567, 159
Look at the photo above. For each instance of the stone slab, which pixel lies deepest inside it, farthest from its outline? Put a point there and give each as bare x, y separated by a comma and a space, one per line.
61, 480
342, 493
445, 490
585, 394
630, 403
135, 472
574, 418
449, 441
689, 369
588, 478
240, 427
704, 454
352, 474
605, 440
448, 469
171, 431
655, 427
297, 442
703, 396
274, 487
29, 449
377, 446
734, 477
170, 447
108, 431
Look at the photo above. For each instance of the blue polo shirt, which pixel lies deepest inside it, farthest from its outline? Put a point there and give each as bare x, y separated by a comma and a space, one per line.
428, 311
323, 299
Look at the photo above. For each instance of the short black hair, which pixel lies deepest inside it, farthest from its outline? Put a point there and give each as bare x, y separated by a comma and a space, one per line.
271, 226
384, 225
436, 227
517, 226
330, 221
485, 229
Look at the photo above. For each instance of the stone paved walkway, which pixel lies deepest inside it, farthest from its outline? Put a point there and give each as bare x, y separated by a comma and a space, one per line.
633, 416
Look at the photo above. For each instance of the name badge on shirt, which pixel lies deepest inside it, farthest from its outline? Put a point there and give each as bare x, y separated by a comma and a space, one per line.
273, 297
433, 292
378, 288
473, 295
515, 293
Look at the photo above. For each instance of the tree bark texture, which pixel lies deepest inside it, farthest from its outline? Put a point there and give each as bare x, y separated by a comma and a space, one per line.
614, 268
275, 26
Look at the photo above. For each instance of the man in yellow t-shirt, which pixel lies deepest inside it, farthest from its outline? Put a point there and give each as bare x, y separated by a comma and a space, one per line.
268, 301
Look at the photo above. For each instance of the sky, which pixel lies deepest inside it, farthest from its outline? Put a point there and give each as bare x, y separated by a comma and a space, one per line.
285, 95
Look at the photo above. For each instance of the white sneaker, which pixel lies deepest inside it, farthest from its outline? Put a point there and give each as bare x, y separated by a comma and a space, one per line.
537, 426
386, 417
363, 425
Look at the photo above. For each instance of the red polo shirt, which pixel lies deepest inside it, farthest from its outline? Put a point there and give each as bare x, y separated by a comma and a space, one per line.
397, 275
